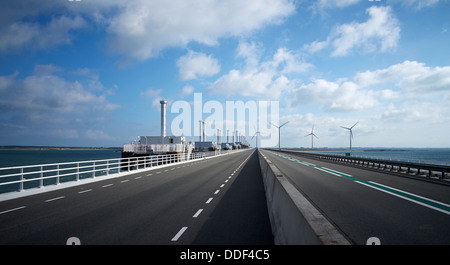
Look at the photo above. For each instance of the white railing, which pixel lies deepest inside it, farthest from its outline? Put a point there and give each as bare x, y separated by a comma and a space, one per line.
20, 178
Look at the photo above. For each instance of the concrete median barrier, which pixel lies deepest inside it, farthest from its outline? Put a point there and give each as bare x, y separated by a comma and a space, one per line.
294, 220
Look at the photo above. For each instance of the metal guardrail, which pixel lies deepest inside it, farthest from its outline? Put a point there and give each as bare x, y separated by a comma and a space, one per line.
419, 169
409, 160
20, 178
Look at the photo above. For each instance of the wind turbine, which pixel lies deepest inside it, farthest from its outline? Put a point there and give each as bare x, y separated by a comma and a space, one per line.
312, 137
279, 127
256, 134
351, 133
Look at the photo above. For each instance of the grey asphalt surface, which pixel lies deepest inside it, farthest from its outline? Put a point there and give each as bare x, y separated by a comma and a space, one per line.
360, 211
212, 201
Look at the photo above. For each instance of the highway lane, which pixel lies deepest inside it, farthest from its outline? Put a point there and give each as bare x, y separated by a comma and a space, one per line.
364, 203
167, 205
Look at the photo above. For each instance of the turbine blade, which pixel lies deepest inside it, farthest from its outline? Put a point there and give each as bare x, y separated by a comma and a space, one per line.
345, 128
284, 124
354, 125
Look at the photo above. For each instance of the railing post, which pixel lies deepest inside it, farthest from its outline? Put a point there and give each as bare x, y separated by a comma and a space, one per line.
21, 179
41, 181
78, 172
57, 174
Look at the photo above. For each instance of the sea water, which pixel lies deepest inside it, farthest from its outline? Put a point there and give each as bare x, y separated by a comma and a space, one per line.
11, 158
439, 156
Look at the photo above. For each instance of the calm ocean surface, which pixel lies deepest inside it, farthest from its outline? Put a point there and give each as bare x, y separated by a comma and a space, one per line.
9, 158
439, 156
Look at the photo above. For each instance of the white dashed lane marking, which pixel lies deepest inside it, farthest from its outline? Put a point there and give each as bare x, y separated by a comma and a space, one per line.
177, 236
11, 210
54, 199
198, 213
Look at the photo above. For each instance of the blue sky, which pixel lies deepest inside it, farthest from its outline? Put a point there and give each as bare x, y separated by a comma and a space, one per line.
91, 73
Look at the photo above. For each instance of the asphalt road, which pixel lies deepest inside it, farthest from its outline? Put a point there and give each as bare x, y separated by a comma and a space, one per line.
212, 201
364, 203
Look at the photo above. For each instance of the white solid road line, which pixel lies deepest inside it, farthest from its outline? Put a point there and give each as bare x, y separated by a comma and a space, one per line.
424, 201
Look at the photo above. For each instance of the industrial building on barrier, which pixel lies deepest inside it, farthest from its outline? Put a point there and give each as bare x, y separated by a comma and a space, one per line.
159, 145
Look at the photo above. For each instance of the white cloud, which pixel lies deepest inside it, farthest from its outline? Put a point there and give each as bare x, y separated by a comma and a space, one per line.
154, 95
143, 28
412, 77
260, 79
65, 133
401, 105
287, 62
98, 135
334, 96
195, 65
187, 90
46, 104
42, 98
403, 82
247, 84
381, 32
7, 81
335, 3
417, 4
19, 35
316, 46
137, 29
251, 52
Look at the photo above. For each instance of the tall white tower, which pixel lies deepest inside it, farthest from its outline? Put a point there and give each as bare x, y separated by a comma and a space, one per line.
163, 118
